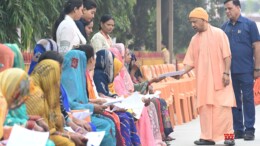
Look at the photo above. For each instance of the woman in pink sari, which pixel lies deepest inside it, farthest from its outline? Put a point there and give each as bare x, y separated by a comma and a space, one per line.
147, 126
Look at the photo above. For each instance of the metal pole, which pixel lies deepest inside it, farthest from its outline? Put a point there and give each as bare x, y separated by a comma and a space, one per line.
170, 45
158, 25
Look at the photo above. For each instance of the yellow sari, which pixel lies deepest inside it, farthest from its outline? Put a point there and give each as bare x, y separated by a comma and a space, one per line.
117, 68
45, 101
14, 87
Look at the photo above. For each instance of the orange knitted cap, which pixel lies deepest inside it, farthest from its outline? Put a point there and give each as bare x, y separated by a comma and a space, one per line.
199, 12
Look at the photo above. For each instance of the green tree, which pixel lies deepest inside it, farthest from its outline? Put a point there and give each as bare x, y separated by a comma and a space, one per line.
182, 28
33, 18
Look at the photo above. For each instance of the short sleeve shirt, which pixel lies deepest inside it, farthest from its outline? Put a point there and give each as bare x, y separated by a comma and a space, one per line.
241, 36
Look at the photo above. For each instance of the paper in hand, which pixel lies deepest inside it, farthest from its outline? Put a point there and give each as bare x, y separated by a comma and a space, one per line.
21, 136
172, 74
81, 114
111, 101
95, 138
133, 102
156, 94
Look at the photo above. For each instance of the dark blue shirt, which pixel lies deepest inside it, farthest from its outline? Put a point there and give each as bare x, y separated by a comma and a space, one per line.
81, 27
241, 37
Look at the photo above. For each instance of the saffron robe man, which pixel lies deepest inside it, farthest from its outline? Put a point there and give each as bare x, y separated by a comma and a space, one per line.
209, 54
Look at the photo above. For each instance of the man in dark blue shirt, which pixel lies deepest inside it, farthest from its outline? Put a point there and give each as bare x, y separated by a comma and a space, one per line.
244, 42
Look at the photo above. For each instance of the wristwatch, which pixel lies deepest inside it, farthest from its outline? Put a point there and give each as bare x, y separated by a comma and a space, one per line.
257, 69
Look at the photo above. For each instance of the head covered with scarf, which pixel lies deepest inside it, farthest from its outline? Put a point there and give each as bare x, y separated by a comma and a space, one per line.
18, 57
74, 80
6, 57
104, 71
123, 84
42, 46
45, 100
14, 90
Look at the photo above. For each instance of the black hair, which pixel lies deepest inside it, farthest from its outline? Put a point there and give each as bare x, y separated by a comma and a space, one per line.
235, 2
53, 55
85, 23
104, 19
89, 4
69, 6
164, 43
131, 46
88, 49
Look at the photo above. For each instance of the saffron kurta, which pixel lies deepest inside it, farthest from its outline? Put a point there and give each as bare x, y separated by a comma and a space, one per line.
206, 53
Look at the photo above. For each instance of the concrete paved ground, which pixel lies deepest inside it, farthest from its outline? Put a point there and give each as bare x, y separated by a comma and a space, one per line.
187, 133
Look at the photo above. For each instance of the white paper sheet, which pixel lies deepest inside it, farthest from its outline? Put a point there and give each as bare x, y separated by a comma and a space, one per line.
95, 138
156, 94
24, 137
172, 74
82, 115
111, 101
133, 102
69, 129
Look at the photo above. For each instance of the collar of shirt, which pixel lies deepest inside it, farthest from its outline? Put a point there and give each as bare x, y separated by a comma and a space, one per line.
240, 19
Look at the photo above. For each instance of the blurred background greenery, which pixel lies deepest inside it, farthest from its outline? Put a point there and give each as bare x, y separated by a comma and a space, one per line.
135, 20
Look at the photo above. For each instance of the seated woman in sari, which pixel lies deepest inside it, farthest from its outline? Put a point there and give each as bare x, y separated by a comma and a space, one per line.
147, 126
104, 74
160, 104
79, 126
14, 90
74, 83
43, 45
93, 95
45, 102
19, 115
48, 49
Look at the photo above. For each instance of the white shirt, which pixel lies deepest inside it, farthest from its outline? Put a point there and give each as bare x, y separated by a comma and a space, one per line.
68, 35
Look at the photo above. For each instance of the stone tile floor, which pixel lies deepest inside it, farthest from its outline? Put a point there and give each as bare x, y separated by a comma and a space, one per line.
187, 133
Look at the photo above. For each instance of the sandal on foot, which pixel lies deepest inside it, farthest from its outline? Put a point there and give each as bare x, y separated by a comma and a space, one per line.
204, 142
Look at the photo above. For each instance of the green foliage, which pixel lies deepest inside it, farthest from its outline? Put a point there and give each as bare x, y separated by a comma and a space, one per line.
135, 20
182, 28
143, 24
32, 17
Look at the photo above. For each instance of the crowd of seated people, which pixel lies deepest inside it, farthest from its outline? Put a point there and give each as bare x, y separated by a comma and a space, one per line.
69, 73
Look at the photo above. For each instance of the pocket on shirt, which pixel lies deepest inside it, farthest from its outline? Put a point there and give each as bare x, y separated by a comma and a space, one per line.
242, 35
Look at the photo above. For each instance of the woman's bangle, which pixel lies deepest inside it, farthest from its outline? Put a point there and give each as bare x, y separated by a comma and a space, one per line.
77, 129
69, 136
226, 73
39, 119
